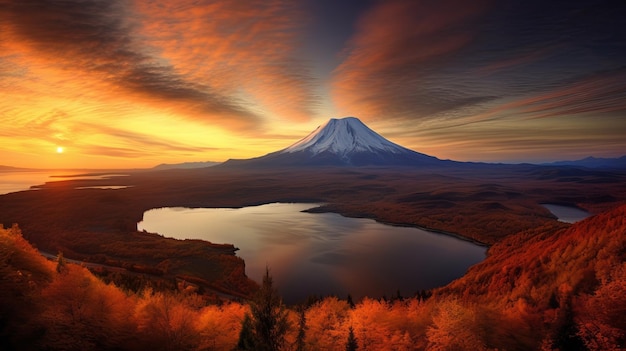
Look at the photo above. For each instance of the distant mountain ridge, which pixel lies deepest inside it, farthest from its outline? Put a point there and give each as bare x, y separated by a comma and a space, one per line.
593, 162
185, 165
341, 142
13, 169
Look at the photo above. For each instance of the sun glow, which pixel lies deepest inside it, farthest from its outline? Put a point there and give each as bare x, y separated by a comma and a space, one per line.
60, 149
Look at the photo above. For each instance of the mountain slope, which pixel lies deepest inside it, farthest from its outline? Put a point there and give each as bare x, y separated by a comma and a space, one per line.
548, 256
563, 284
342, 142
343, 137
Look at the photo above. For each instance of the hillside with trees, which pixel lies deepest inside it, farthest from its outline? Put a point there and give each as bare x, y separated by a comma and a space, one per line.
557, 287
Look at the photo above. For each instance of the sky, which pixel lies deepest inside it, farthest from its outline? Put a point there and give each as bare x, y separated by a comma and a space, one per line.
136, 83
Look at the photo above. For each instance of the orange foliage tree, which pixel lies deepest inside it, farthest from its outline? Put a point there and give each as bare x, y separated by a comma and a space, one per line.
81, 312
23, 273
166, 321
377, 327
454, 328
601, 317
327, 329
219, 326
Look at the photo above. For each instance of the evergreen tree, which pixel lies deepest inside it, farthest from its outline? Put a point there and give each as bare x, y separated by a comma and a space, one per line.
269, 317
301, 329
61, 264
399, 296
351, 302
566, 334
352, 344
246, 335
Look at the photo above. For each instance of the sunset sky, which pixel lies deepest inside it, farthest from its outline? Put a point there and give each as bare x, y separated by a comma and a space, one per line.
123, 83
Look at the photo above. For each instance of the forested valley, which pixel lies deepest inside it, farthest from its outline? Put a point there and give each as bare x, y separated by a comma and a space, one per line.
557, 287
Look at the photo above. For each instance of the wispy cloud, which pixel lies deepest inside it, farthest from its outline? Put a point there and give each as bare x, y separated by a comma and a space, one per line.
394, 62
454, 67
219, 61
191, 75
244, 49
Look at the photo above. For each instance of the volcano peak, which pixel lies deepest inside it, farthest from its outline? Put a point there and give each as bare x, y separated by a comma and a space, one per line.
341, 142
342, 136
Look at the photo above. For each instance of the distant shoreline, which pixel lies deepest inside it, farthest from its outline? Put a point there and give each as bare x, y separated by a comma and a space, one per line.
320, 209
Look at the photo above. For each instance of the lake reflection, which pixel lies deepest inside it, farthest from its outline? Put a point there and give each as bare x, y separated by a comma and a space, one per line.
20, 181
12, 181
323, 253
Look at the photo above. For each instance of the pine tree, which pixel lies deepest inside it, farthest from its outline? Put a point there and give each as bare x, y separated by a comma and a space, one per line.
269, 317
352, 344
301, 329
246, 335
399, 296
351, 301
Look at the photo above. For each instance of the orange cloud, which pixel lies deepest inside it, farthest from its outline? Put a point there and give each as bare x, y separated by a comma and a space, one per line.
397, 45
597, 93
192, 78
219, 62
109, 76
467, 80
243, 49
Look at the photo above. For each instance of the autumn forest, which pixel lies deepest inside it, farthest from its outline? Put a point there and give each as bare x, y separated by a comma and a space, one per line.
556, 287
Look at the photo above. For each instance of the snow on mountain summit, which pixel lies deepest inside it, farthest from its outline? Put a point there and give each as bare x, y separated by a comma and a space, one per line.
341, 142
344, 136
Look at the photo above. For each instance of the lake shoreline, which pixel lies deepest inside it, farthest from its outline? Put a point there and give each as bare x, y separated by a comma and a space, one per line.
567, 213
323, 209
338, 254
487, 207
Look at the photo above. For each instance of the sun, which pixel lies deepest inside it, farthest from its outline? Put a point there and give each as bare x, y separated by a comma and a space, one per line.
60, 149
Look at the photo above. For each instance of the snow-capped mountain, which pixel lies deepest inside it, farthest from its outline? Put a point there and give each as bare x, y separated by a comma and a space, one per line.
342, 142
343, 137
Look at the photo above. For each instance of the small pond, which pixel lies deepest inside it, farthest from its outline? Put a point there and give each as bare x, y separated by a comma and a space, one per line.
567, 214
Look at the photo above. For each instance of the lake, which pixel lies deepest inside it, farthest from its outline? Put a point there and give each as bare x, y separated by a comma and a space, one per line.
24, 180
567, 214
19, 181
323, 253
